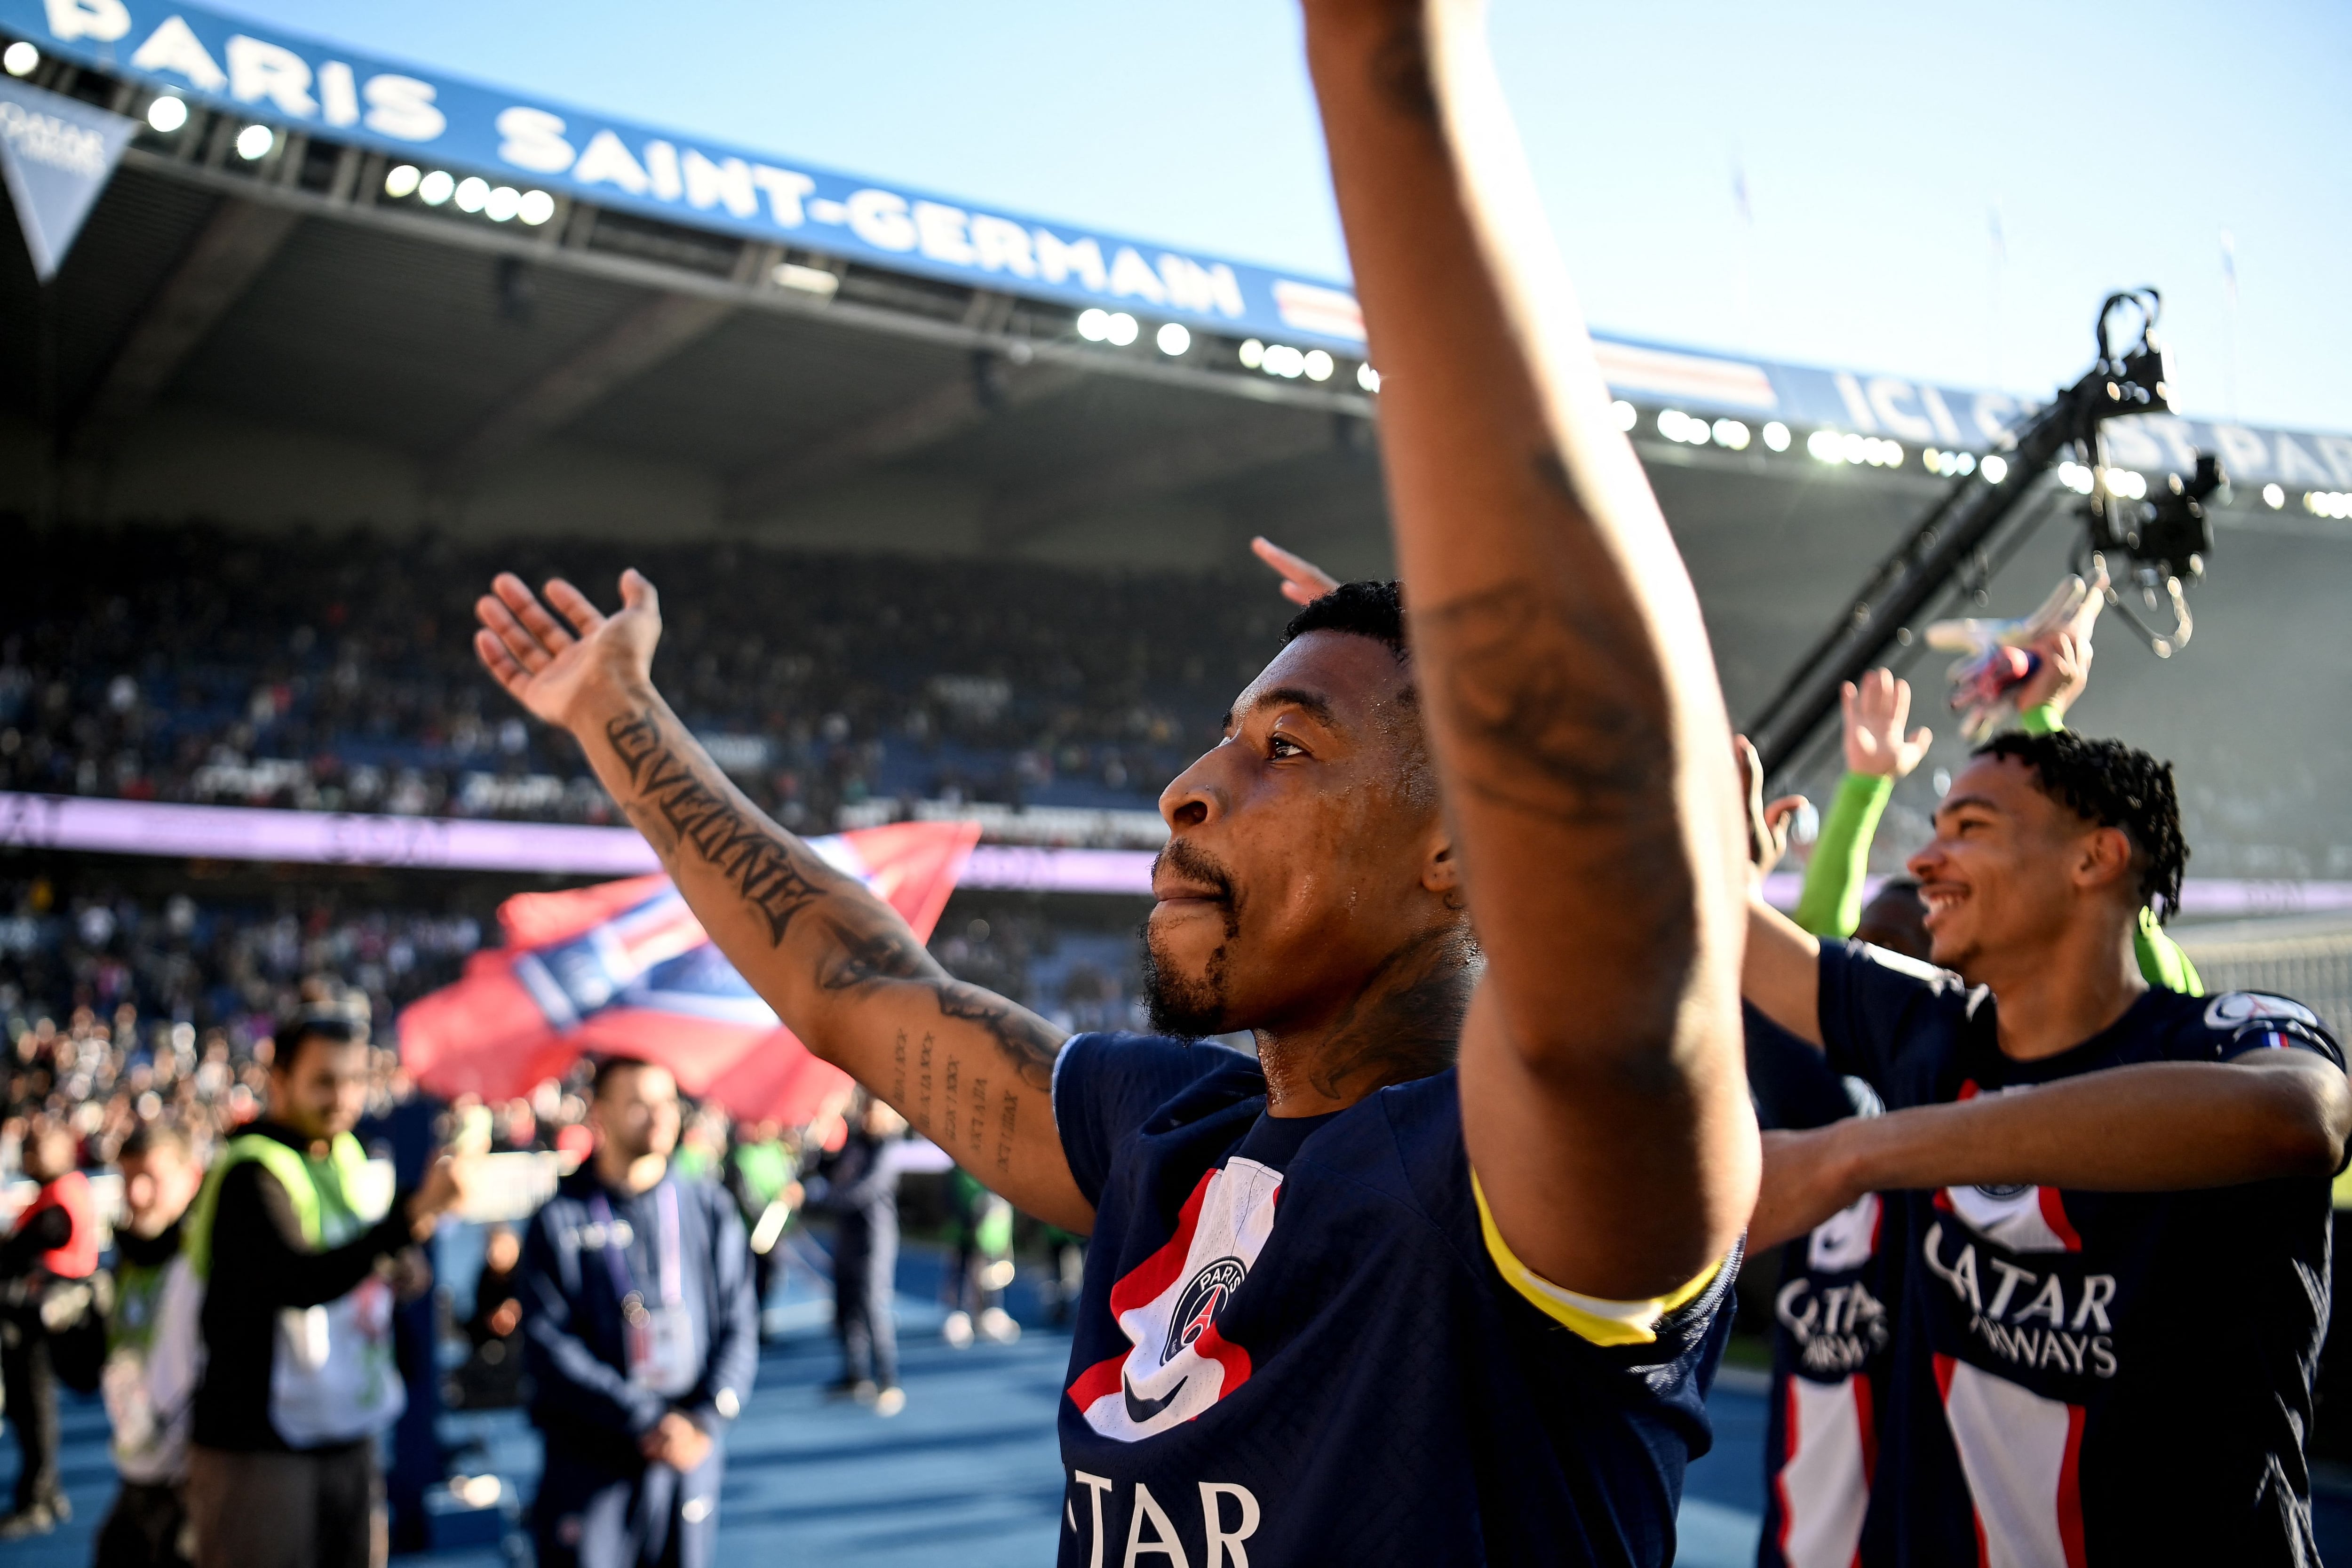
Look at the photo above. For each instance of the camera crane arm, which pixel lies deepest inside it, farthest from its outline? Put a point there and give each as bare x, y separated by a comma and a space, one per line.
2121, 381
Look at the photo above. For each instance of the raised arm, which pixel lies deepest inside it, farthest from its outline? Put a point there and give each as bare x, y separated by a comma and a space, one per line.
1877, 753
2157, 1127
973, 1070
1566, 678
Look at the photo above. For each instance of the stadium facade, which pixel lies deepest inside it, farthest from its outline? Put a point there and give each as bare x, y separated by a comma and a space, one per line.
422, 306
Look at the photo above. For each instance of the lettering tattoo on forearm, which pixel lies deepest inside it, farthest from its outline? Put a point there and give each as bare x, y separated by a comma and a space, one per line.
1005, 1120
741, 846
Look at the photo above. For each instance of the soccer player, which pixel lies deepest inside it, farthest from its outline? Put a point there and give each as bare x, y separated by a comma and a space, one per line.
1438, 1275
2115, 1198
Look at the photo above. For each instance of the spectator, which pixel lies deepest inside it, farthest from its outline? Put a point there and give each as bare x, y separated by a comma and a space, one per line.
982, 1266
639, 1331
56, 1243
760, 1177
861, 1190
152, 1348
298, 1378
492, 1375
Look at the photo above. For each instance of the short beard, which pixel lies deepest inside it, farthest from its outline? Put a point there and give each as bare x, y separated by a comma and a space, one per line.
1178, 1005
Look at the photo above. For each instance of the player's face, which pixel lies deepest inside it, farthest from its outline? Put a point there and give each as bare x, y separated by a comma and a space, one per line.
1997, 874
636, 1114
1298, 844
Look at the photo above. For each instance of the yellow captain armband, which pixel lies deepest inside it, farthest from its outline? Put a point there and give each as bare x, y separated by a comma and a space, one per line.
1593, 1318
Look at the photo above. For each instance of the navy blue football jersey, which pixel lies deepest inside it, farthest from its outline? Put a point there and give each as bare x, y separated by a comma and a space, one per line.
1301, 1341
1832, 1327
2081, 1376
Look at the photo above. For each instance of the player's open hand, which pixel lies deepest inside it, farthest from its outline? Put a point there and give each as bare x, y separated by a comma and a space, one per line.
2064, 670
1876, 709
1769, 822
1303, 582
559, 669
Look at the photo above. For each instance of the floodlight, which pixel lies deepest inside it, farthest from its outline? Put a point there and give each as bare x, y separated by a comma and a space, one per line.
435, 188
167, 114
1367, 378
537, 208
1776, 436
473, 194
255, 142
1174, 338
20, 58
400, 179
1122, 328
1094, 325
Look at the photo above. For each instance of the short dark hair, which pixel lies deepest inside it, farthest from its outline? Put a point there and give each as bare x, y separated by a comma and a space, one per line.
2114, 785
1368, 609
286, 1045
610, 1067
156, 1138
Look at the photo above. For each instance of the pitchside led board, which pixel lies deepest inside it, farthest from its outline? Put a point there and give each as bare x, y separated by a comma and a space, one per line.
428, 117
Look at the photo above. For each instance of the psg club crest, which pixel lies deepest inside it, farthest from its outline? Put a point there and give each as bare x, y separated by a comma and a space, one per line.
1171, 1307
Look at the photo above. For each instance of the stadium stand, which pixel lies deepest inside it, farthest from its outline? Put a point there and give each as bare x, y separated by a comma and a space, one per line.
331, 672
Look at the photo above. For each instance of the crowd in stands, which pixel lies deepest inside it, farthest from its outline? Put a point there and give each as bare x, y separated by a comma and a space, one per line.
335, 673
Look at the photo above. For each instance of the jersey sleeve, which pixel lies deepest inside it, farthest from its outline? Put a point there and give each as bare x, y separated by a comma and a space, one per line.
2243, 1022
1107, 1085
1877, 1006
1595, 1318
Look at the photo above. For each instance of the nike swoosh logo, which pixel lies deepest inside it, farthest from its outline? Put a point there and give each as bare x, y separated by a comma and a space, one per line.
1141, 1410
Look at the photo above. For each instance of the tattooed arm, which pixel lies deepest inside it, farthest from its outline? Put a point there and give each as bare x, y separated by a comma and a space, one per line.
1570, 695
971, 1070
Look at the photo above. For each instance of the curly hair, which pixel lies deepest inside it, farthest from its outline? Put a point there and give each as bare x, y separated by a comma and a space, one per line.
2114, 785
1374, 610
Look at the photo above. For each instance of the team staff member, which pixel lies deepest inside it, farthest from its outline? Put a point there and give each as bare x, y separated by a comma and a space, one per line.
641, 1335
1347, 1301
153, 1354
298, 1378
56, 1243
2113, 1287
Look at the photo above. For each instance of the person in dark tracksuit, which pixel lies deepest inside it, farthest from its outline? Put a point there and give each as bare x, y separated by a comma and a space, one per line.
859, 1186
641, 1338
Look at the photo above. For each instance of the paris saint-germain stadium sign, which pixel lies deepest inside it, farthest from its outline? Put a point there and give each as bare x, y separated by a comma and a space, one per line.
402, 109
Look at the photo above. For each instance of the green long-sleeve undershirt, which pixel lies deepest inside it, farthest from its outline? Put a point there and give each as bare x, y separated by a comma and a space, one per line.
1830, 904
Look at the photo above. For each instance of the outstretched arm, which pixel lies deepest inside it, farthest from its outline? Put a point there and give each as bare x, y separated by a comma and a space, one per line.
972, 1069
1566, 680
2156, 1127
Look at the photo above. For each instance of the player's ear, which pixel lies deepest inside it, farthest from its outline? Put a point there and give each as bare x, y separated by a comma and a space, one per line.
1441, 868
2104, 858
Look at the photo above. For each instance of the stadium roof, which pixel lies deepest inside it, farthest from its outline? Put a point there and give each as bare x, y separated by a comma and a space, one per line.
303, 336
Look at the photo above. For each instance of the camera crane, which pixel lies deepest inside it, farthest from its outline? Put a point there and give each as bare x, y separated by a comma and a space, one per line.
2165, 534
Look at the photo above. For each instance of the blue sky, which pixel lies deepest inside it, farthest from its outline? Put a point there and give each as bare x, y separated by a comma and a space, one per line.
2118, 145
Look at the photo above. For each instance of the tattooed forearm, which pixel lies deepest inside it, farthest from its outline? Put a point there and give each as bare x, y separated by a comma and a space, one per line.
746, 850
1551, 708
898, 1069
975, 1124
1006, 1119
1029, 1043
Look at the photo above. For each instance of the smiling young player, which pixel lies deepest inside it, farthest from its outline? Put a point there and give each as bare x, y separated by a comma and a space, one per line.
2115, 1206
1348, 1300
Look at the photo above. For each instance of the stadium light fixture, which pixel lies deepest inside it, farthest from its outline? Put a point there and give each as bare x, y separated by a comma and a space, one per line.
1123, 329
1776, 436
20, 58
504, 202
1995, 467
167, 114
1826, 446
1730, 433
254, 142
1318, 365
435, 188
402, 179
1367, 378
2125, 483
807, 279
1253, 354
2274, 497
2076, 477
1672, 422
1626, 414
1283, 361
473, 194
1174, 338
1094, 325
538, 206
